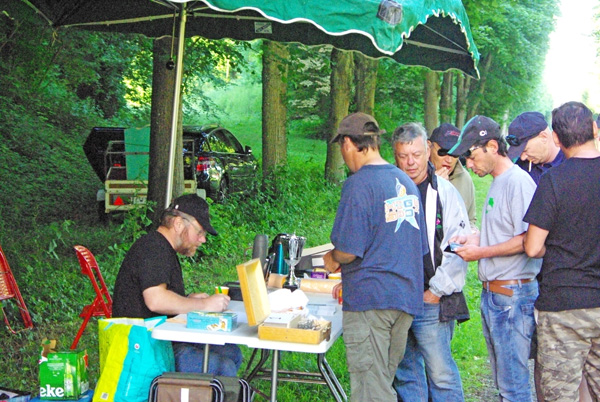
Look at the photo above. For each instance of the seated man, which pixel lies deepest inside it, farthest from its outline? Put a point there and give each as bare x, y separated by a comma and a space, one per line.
150, 282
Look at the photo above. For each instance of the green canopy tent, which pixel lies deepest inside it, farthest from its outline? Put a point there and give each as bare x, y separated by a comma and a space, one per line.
434, 34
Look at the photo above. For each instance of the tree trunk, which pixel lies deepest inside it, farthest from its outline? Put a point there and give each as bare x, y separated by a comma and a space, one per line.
365, 73
274, 106
446, 97
163, 85
431, 98
341, 80
478, 95
461, 100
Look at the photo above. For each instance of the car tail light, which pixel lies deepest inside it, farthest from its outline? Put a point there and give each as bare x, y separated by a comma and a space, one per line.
204, 163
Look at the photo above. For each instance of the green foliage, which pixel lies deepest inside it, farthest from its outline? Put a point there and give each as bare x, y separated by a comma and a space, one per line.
399, 94
515, 35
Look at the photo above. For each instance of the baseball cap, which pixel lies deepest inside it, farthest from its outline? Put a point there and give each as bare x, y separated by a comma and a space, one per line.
479, 128
523, 128
445, 136
195, 206
357, 125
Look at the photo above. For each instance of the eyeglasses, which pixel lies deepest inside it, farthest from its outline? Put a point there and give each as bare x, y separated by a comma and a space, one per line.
199, 232
515, 141
470, 151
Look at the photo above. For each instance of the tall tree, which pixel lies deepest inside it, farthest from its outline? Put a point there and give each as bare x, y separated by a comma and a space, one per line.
462, 83
446, 97
431, 94
341, 84
274, 106
163, 83
365, 72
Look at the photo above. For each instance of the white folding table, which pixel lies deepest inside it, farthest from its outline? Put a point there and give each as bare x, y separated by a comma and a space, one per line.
176, 330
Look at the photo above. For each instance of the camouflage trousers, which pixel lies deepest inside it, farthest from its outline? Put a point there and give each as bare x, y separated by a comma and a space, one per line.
569, 344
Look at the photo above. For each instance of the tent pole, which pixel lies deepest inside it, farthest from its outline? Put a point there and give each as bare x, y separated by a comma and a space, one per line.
176, 103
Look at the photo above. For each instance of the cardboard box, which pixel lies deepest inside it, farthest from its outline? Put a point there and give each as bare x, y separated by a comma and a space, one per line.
211, 321
88, 396
63, 375
258, 309
11, 395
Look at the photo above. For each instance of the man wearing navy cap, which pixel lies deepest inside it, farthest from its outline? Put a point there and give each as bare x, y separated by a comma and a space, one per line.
508, 274
450, 168
532, 146
150, 282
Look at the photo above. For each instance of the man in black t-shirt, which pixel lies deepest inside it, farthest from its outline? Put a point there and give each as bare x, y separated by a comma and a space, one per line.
564, 228
150, 282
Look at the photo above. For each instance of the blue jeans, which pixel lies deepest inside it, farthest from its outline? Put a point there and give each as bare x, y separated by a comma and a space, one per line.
508, 325
222, 359
428, 350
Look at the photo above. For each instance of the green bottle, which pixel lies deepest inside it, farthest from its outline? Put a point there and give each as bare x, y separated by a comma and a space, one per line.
69, 389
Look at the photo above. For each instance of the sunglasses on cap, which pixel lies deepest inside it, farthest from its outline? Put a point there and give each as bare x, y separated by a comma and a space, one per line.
470, 151
515, 141
444, 152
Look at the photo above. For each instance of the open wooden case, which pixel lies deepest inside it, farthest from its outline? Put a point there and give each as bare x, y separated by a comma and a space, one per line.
256, 304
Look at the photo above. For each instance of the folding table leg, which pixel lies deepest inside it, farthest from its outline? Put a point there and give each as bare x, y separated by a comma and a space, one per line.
206, 357
274, 376
330, 378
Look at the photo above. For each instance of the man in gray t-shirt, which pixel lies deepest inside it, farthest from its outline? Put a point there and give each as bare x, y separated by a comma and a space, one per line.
508, 275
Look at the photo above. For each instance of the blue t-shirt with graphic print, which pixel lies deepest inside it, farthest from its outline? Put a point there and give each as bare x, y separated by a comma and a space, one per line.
380, 220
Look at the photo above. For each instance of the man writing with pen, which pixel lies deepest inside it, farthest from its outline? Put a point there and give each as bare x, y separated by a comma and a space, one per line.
150, 282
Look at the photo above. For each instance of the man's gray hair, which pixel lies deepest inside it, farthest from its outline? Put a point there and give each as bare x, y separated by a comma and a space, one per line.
408, 132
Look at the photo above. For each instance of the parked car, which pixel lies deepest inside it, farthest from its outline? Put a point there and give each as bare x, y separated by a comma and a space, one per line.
222, 164
213, 158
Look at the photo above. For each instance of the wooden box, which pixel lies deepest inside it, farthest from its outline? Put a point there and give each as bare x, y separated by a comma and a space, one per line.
295, 335
256, 304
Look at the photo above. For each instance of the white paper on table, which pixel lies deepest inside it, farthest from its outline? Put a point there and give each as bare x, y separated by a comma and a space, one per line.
284, 300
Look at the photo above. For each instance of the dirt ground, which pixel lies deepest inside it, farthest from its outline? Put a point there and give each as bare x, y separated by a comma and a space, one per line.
488, 392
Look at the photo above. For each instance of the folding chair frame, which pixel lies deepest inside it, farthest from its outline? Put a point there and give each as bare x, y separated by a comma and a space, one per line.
10, 290
102, 304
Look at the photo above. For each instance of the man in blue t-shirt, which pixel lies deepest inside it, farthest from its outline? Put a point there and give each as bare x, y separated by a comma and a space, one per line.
564, 228
379, 238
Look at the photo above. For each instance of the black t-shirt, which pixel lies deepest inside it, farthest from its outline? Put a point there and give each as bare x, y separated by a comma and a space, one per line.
149, 262
567, 204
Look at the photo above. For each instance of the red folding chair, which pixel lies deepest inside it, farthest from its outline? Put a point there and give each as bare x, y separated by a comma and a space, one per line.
102, 304
10, 290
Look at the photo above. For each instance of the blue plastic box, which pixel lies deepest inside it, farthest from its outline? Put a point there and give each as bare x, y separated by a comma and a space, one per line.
210, 321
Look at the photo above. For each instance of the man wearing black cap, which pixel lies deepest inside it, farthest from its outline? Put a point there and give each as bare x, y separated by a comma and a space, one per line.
380, 240
532, 146
150, 282
508, 274
450, 168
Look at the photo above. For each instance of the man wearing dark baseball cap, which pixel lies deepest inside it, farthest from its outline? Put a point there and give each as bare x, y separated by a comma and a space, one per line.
150, 282
450, 167
508, 274
532, 146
